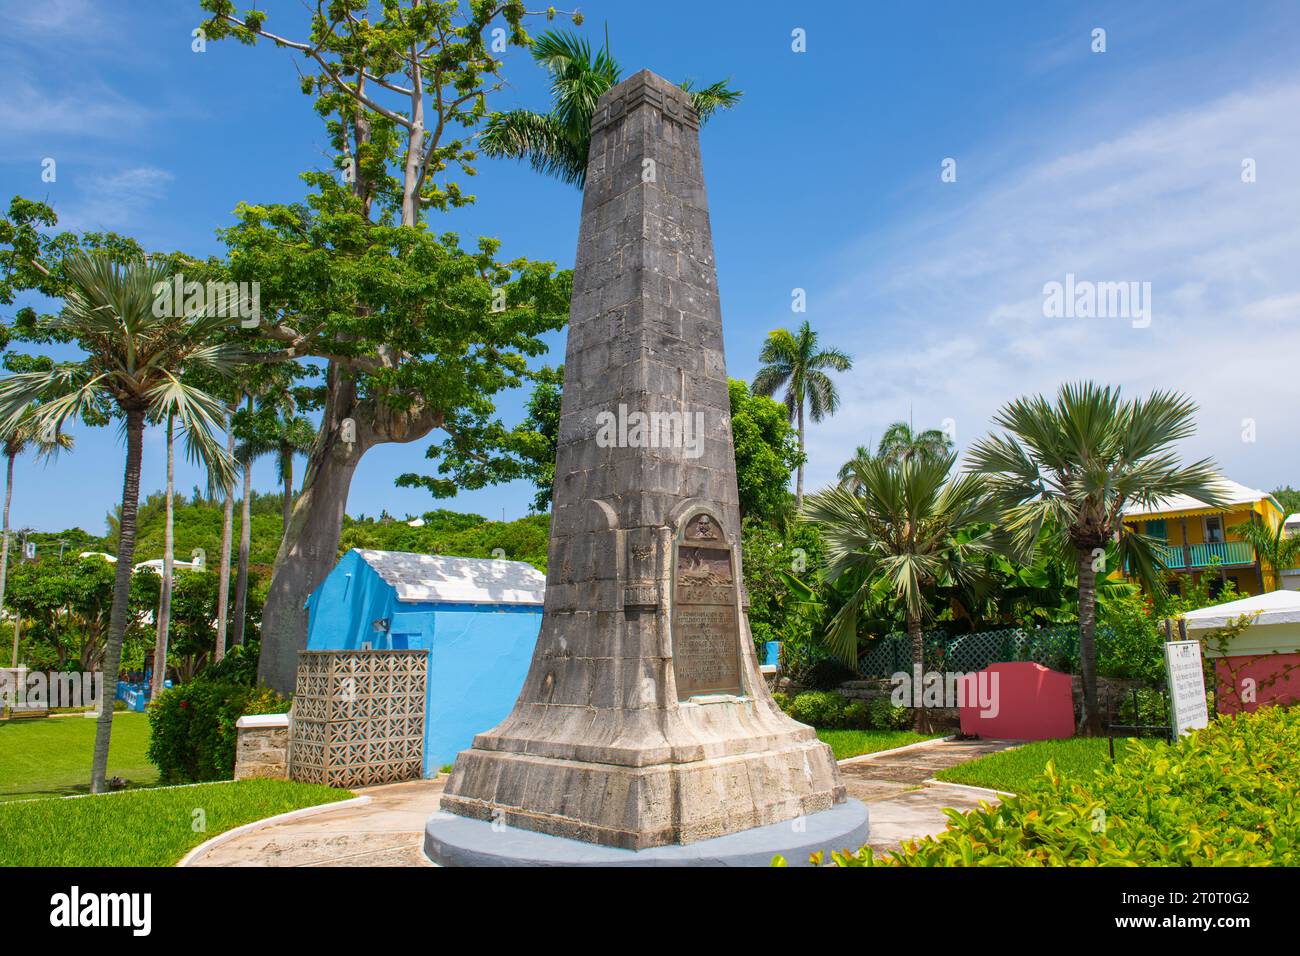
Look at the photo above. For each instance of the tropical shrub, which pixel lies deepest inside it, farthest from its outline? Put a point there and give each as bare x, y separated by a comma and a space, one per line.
1222, 796
857, 716
819, 708
192, 727
884, 714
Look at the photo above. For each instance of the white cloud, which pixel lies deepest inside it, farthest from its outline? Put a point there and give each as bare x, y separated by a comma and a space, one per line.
951, 325
114, 200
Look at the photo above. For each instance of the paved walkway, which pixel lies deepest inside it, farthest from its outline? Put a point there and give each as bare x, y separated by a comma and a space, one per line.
893, 785
389, 829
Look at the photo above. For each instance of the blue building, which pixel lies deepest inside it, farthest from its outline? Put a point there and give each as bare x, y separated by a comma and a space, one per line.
478, 618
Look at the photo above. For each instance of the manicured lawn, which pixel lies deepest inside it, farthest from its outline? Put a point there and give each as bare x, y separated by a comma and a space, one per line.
143, 827
50, 757
1015, 770
852, 743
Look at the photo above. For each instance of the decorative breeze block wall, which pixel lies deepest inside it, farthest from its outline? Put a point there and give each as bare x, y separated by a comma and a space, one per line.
358, 717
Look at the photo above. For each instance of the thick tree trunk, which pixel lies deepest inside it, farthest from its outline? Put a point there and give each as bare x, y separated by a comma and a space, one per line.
920, 720
169, 567
121, 596
245, 543
1090, 719
4, 550
286, 472
227, 532
309, 548
308, 551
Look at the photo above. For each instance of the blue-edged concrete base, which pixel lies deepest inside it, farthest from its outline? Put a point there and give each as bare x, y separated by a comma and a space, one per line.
451, 840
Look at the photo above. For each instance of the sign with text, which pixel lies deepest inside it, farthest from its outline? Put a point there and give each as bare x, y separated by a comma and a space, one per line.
1185, 674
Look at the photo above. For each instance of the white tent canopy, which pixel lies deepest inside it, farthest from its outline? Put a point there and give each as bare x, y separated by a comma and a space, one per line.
1275, 629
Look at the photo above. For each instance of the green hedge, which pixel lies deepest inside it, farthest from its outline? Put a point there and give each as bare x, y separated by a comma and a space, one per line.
827, 710
1228, 795
192, 727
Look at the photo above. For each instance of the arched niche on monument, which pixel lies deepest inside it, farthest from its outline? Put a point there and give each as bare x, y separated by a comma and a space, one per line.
706, 609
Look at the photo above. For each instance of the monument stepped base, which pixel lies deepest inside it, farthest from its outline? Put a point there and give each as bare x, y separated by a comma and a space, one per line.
451, 840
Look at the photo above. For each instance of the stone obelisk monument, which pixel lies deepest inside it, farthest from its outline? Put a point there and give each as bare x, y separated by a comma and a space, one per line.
644, 721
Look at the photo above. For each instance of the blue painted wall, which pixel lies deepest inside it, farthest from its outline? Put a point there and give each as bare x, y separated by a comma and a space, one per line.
479, 653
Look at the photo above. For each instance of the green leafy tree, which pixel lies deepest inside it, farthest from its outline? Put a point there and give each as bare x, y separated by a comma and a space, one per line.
556, 143
538, 436
767, 452
907, 530
415, 332
22, 437
1070, 467
1288, 498
792, 360
67, 603
133, 369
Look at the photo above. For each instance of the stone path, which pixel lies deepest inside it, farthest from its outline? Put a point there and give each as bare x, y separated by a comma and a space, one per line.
389, 830
903, 806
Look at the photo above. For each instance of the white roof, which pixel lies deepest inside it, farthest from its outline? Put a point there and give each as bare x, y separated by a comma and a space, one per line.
1234, 493
437, 578
1274, 607
1292, 518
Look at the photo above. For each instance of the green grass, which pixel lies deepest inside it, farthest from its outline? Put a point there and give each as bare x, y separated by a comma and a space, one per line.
50, 757
852, 743
1015, 770
143, 827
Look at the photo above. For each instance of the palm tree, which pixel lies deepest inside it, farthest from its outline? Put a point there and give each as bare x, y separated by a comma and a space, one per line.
168, 569
556, 143
901, 441
244, 458
907, 530
793, 360
19, 438
133, 365
1275, 547
1070, 467
227, 532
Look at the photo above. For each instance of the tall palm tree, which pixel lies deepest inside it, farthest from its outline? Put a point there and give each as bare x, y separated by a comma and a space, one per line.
227, 532
901, 441
244, 458
792, 359
22, 436
168, 568
1275, 548
133, 365
1071, 466
556, 143
908, 529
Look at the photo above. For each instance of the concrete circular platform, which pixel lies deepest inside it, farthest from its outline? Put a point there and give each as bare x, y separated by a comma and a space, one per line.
451, 840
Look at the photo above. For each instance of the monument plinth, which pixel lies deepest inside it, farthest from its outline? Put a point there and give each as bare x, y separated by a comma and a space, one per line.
644, 720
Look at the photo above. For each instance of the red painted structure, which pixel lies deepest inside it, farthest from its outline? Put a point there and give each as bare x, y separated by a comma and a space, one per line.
1030, 702
1276, 681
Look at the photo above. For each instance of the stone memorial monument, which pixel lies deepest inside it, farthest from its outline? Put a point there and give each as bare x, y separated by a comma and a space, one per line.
644, 724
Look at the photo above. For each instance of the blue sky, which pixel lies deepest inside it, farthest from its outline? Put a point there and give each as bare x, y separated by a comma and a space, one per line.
1115, 166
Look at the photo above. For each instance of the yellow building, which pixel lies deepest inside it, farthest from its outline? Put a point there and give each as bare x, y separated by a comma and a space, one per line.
1203, 539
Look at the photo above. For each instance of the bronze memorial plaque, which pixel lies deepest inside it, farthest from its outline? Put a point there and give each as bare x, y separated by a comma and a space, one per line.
706, 638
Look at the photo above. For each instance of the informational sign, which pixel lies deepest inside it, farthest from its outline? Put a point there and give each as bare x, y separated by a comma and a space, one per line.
706, 635
1185, 674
